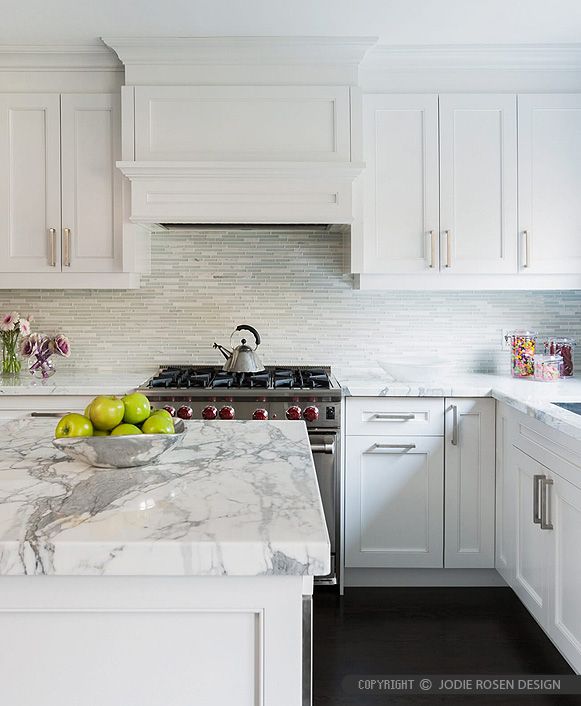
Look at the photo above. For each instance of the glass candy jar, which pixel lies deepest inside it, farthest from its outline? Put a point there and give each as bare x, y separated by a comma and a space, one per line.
522, 351
563, 347
548, 368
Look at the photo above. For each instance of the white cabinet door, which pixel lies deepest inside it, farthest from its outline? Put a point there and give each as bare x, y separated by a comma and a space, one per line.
564, 626
242, 123
505, 495
30, 212
91, 183
401, 222
469, 480
549, 165
478, 183
394, 502
533, 545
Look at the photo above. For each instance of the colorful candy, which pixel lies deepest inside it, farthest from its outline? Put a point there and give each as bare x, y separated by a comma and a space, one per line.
564, 348
522, 352
548, 367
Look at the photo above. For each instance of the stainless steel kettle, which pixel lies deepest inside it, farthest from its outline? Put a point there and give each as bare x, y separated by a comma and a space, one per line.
243, 358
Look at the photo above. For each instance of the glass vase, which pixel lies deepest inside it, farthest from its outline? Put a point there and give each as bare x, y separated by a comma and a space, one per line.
41, 367
11, 364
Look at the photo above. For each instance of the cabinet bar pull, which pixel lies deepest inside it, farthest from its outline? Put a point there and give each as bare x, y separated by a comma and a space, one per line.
454, 409
52, 247
546, 523
432, 246
392, 417
401, 447
527, 249
448, 235
67, 247
537, 511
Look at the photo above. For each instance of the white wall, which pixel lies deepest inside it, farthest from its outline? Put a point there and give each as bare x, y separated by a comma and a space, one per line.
394, 21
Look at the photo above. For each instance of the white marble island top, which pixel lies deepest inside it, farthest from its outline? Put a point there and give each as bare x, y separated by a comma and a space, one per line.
73, 382
236, 498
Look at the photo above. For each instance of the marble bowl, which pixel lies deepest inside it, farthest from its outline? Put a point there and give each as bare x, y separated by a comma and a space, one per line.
120, 451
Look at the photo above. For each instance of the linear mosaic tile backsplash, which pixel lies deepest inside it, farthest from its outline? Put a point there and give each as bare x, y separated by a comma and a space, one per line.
291, 287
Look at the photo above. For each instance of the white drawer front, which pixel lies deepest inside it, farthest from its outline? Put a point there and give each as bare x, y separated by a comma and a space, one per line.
395, 416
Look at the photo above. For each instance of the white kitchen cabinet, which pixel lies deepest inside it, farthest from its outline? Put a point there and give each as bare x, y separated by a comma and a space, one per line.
91, 183
30, 195
478, 183
505, 547
401, 221
533, 544
470, 484
549, 165
394, 502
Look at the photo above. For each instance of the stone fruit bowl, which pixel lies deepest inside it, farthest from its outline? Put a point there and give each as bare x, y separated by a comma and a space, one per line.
120, 451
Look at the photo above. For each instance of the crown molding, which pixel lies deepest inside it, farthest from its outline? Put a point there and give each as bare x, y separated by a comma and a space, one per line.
530, 57
57, 57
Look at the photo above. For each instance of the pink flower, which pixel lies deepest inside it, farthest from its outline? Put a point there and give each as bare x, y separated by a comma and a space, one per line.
62, 345
27, 346
9, 321
24, 327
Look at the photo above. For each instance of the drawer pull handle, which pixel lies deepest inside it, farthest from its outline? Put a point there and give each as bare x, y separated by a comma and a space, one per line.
546, 523
454, 409
537, 511
400, 447
385, 417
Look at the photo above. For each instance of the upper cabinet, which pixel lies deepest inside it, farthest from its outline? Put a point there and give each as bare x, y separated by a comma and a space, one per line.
440, 191
61, 222
478, 184
549, 156
242, 123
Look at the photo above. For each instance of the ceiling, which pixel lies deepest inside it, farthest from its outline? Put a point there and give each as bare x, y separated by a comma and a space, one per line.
394, 21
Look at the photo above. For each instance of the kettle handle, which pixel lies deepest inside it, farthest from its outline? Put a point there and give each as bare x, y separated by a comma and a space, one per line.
253, 331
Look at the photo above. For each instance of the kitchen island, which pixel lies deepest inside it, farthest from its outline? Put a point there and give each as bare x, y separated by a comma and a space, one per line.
186, 582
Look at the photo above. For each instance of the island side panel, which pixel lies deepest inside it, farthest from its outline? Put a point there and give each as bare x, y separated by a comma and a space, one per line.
152, 641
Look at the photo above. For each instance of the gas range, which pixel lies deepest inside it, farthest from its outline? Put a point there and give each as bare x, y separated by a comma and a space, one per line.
279, 392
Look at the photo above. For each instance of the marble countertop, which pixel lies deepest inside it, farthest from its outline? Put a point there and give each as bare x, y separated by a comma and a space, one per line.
74, 382
527, 395
236, 498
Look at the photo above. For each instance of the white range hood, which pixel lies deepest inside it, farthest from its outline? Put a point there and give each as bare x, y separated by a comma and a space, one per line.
240, 130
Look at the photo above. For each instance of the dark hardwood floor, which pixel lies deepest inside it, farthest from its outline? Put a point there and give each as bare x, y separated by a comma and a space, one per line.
428, 631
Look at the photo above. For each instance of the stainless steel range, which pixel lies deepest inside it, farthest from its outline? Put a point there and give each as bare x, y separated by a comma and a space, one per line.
309, 394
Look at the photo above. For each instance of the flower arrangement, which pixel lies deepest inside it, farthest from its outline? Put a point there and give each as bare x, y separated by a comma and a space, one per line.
12, 327
38, 348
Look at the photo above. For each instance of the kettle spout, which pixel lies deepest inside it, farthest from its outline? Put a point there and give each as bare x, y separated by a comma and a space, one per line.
224, 351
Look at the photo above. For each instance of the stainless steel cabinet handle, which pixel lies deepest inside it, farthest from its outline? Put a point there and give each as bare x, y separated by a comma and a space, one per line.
52, 247
454, 409
546, 523
527, 248
67, 247
537, 510
392, 417
323, 448
401, 447
48, 414
448, 235
432, 246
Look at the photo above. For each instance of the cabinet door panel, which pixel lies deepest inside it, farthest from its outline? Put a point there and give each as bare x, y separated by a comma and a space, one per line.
469, 473
549, 149
29, 182
478, 183
532, 543
505, 495
91, 130
400, 143
394, 502
565, 620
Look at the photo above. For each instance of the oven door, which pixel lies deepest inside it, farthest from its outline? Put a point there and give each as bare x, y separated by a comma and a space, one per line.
325, 455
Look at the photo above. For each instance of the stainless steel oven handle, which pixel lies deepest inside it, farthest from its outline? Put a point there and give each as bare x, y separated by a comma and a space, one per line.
323, 448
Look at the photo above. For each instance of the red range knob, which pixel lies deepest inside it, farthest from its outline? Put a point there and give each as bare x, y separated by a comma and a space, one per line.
293, 412
260, 414
209, 412
226, 412
311, 414
185, 412
170, 409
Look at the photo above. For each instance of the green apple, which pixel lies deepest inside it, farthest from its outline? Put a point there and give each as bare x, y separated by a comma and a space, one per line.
101, 432
164, 412
137, 408
126, 430
73, 425
87, 412
158, 424
106, 412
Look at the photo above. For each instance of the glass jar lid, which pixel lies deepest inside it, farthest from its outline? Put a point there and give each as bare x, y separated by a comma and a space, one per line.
522, 333
545, 358
561, 340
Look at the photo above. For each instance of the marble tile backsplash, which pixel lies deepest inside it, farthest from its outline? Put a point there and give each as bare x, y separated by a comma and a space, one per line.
291, 287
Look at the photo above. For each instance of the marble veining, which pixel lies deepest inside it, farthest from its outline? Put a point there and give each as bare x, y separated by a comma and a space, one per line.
67, 382
235, 498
